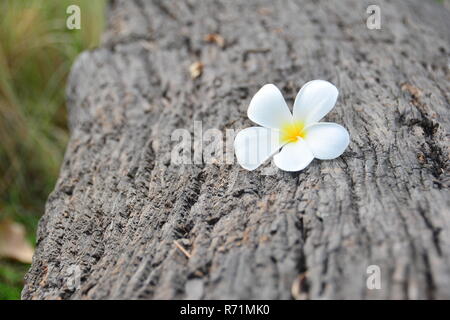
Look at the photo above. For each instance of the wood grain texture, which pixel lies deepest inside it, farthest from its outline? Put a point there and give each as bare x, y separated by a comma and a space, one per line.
120, 203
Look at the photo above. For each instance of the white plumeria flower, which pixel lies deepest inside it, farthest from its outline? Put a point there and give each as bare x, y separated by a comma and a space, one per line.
300, 135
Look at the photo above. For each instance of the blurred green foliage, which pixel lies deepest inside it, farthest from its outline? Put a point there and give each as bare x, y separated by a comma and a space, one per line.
36, 53
11, 279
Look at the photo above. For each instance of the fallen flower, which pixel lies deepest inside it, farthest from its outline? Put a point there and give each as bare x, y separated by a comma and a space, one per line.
299, 135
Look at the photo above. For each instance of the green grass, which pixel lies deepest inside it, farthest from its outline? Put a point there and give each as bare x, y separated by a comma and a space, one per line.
36, 52
11, 275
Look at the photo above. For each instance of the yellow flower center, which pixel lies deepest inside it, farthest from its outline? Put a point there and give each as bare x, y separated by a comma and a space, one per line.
291, 132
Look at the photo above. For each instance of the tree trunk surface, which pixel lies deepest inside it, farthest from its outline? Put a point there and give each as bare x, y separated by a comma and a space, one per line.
124, 221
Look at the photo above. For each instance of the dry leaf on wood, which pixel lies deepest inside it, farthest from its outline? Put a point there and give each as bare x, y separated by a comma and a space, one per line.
215, 38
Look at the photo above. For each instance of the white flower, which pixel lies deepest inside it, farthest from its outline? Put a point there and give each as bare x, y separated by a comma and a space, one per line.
300, 135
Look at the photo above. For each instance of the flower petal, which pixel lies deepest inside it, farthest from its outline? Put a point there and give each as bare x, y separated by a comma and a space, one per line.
268, 108
255, 145
294, 156
314, 100
327, 140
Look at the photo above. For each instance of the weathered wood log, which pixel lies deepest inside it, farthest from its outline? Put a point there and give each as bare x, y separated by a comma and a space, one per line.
136, 225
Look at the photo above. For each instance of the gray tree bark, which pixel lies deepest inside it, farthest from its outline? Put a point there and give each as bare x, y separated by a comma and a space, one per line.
126, 222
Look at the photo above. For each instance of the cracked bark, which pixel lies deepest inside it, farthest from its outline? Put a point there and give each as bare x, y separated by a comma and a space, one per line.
120, 204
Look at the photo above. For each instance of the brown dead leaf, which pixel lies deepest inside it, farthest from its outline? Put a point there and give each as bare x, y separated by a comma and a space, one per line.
215, 38
196, 69
413, 91
13, 244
